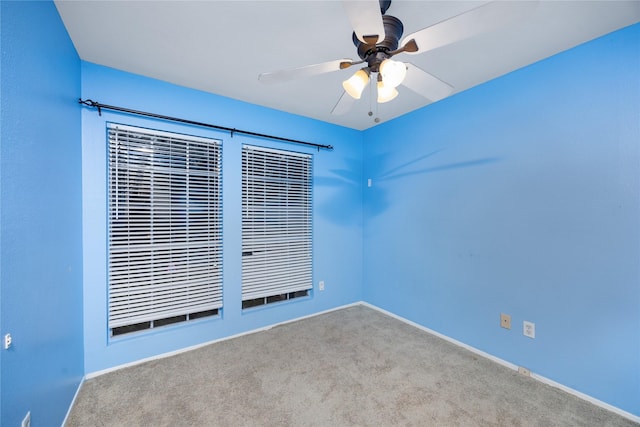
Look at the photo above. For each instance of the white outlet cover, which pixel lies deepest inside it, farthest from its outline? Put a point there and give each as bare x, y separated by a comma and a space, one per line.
7, 341
524, 371
529, 329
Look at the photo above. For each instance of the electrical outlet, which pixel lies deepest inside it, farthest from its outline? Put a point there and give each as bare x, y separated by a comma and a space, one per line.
529, 329
321, 285
505, 321
524, 371
7, 341
26, 422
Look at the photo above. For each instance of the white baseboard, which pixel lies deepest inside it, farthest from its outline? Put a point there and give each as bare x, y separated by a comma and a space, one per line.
588, 398
193, 347
510, 365
73, 401
491, 357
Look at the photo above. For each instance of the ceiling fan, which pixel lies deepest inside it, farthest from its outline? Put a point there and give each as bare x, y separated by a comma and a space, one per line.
377, 39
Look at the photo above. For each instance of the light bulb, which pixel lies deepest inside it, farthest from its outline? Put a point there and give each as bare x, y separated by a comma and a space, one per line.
392, 72
356, 83
385, 92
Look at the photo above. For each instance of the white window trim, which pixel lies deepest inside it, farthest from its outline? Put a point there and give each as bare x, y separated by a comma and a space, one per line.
164, 226
277, 221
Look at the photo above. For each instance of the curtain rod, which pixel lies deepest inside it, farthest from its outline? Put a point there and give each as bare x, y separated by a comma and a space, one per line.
100, 107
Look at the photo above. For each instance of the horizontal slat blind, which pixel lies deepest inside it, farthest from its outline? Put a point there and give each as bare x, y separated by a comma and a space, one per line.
165, 225
276, 222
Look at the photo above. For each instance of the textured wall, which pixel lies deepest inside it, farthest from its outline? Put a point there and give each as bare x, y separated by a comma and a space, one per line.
520, 196
40, 220
337, 202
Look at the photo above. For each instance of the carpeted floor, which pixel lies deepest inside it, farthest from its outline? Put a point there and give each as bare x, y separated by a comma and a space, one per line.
351, 367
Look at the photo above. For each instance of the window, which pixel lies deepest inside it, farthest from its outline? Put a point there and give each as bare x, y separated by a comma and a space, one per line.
164, 228
276, 225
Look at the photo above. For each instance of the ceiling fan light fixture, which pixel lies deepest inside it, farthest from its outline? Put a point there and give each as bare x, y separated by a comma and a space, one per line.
356, 83
393, 72
385, 92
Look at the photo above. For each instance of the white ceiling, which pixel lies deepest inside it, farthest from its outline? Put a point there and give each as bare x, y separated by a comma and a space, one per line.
222, 46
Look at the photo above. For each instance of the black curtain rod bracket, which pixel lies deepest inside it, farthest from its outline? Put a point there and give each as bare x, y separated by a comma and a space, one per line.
100, 107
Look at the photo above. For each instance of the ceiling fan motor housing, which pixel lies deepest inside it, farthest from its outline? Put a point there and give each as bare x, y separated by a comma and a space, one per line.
374, 54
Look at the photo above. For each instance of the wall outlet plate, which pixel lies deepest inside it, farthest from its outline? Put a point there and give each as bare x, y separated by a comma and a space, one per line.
529, 329
505, 321
7, 341
321, 285
524, 371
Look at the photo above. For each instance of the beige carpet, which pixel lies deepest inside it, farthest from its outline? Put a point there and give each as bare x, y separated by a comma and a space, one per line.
351, 367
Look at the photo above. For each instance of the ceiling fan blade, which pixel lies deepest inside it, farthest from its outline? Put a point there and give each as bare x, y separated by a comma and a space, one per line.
426, 84
366, 19
306, 71
480, 20
344, 104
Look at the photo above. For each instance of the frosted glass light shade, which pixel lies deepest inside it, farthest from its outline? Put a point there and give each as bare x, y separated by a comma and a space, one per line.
392, 72
356, 83
385, 92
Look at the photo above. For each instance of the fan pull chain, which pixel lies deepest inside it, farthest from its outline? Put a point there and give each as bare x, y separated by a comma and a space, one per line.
371, 94
377, 118
370, 97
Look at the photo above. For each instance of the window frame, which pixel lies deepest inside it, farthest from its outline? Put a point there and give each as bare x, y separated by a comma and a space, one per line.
277, 225
179, 249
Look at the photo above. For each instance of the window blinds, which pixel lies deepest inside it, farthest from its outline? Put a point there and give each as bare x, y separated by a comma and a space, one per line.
276, 222
165, 225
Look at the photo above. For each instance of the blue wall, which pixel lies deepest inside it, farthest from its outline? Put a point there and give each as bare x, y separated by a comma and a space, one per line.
520, 196
40, 220
337, 206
